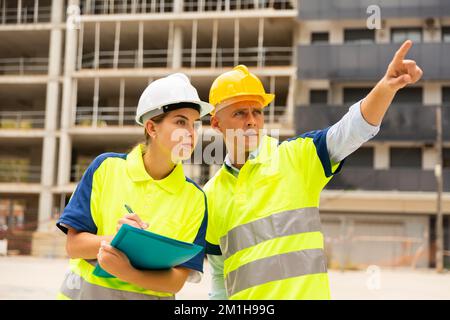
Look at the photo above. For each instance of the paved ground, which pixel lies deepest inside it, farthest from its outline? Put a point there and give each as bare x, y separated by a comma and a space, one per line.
35, 278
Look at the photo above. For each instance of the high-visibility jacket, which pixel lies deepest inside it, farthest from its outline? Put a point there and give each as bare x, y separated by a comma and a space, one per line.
174, 207
265, 222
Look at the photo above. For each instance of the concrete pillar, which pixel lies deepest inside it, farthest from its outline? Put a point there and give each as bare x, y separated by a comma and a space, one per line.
432, 33
177, 52
48, 166
170, 44
290, 107
429, 158
292, 93
177, 49
336, 34
214, 45
194, 43
302, 93
236, 41
65, 148
432, 93
302, 34
336, 94
383, 35
261, 42
381, 154
178, 6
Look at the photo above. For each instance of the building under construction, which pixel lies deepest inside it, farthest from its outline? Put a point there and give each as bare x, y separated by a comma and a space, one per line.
71, 73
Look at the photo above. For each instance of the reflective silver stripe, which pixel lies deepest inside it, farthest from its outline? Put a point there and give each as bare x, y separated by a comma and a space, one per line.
76, 288
278, 267
274, 226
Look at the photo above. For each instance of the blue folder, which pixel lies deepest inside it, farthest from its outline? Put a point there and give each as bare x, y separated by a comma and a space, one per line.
150, 251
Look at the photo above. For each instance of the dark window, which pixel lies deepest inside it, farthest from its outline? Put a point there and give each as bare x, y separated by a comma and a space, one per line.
446, 158
318, 96
409, 95
406, 157
446, 34
363, 157
446, 95
319, 37
359, 35
403, 34
352, 95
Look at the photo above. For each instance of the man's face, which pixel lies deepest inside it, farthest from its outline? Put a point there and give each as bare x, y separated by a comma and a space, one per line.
240, 123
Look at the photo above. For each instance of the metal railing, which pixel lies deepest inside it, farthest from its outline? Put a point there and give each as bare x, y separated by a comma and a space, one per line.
234, 5
113, 116
24, 15
22, 119
22, 65
17, 172
204, 57
105, 116
125, 7
160, 6
227, 57
126, 59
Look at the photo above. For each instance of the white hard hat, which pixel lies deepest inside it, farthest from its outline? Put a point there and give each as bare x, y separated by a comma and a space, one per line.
173, 89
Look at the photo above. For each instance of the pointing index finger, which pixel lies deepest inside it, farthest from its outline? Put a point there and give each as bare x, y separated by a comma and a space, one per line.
402, 51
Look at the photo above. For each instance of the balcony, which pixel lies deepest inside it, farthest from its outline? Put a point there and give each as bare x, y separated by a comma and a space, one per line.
357, 9
401, 123
23, 66
22, 119
399, 179
24, 15
105, 116
92, 7
368, 62
19, 171
201, 57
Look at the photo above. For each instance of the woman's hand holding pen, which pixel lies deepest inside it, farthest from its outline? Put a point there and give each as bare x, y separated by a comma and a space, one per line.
133, 220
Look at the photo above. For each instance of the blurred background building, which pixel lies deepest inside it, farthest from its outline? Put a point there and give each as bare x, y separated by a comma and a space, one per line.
71, 73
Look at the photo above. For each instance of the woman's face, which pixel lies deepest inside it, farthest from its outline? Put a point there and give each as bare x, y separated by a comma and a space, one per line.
176, 134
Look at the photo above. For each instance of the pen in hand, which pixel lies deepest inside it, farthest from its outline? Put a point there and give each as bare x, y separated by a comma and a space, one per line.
141, 224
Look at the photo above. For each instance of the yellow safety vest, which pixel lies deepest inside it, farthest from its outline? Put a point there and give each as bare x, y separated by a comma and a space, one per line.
174, 207
266, 224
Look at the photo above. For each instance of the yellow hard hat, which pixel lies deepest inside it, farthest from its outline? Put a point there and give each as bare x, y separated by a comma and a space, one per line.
237, 85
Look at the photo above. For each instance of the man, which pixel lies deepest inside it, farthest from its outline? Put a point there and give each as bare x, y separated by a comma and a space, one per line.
264, 238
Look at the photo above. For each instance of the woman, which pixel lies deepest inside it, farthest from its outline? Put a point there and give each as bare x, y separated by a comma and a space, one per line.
150, 180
